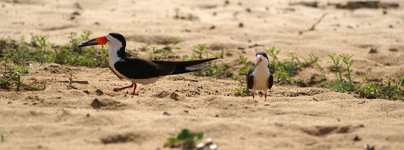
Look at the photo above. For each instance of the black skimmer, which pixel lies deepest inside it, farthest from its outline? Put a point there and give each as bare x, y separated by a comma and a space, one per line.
139, 70
260, 77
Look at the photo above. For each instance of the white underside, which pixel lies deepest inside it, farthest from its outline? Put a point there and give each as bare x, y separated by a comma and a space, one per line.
261, 76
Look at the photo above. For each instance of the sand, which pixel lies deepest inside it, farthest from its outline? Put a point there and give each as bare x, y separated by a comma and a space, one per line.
294, 117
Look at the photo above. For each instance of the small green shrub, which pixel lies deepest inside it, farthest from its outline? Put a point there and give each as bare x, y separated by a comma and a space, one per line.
383, 90
342, 84
3, 137
185, 140
162, 54
216, 68
40, 50
9, 79
241, 89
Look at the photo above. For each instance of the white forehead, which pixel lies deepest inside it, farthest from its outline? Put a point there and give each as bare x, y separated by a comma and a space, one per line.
261, 56
112, 40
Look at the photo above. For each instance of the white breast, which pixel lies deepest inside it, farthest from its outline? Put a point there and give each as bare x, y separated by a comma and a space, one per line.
261, 75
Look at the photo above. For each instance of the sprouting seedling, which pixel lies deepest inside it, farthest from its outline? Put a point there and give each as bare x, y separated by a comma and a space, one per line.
242, 60
3, 137
85, 36
177, 13
175, 42
309, 61
274, 54
71, 74
185, 140
200, 50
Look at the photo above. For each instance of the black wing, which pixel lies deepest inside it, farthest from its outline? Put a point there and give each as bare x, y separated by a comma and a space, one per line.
142, 69
250, 78
270, 79
114, 72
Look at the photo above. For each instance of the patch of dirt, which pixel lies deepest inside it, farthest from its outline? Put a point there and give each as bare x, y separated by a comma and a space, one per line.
326, 130
107, 104
121, 138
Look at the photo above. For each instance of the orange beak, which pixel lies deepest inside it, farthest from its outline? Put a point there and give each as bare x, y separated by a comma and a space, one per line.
259, 60
97, 41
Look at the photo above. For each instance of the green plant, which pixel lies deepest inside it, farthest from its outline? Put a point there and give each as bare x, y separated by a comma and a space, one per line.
3, 137
8, 80
323, 76
177, 13
71, 74
341, 84
161, 54
241, 89
386, 90
40, 51
242, 60
283, 70
215, 69
370, 90
309, 61
274, 54
185, 140
200, 50
282, 77
395, 91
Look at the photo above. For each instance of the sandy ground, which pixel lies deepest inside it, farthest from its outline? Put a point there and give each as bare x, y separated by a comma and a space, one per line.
294, 117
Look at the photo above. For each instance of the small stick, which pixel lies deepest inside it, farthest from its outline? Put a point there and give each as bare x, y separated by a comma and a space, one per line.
77, 81
318, 21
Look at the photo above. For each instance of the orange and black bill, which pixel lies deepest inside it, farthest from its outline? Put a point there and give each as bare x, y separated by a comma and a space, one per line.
97, 41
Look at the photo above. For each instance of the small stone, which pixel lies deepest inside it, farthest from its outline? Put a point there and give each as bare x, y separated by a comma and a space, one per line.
99, 92
241, 25
373, 51
393, 50
175, 96
166, 114
357, 138
86, 91
96, 104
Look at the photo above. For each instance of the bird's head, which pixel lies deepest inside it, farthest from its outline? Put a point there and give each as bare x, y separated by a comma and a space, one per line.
112, 39
262, 59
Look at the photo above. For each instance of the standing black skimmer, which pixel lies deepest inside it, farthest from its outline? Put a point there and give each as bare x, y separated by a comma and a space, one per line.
139, 70
260, 77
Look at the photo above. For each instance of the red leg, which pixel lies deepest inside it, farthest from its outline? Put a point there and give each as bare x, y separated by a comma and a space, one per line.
265, 95
134, 88
253, 95
120, 89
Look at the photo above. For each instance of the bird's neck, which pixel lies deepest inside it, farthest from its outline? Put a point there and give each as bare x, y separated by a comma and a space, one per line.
116, 53
262, 69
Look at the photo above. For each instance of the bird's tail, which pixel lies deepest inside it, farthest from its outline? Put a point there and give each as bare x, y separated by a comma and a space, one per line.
189, 66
